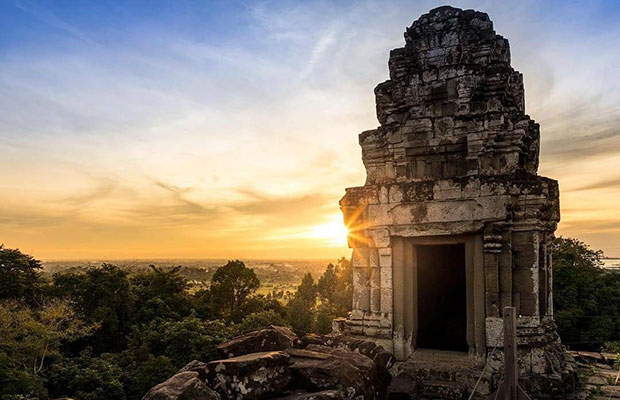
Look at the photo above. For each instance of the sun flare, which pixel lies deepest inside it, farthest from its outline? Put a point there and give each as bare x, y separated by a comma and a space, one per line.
334, 232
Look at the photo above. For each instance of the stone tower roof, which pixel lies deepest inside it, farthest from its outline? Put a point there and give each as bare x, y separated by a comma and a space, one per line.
453, 106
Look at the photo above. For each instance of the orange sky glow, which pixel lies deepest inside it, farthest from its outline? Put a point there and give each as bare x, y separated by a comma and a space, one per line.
240, 144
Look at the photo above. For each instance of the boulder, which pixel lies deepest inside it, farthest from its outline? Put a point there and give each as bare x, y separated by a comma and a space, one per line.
251, 376
196, 366
363, 358
317, 371
182, 386
273, 338
359, 360
344, 341
312, 338
365, 347
374, 375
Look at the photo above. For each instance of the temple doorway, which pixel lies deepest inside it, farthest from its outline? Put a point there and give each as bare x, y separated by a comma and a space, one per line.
442, 301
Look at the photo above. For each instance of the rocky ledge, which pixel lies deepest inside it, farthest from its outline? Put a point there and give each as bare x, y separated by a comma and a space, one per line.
275, 363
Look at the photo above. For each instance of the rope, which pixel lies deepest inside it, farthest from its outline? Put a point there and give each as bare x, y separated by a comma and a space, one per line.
486, 364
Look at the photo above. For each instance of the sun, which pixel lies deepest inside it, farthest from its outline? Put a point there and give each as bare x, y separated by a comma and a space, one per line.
333, 232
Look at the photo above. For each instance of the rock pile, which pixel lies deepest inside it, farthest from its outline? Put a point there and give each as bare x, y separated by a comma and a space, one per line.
275, 363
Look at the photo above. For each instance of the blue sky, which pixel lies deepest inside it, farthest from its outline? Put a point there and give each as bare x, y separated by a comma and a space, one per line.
229, 129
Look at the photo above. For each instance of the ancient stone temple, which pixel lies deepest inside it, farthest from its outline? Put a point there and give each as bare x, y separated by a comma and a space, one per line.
453, 223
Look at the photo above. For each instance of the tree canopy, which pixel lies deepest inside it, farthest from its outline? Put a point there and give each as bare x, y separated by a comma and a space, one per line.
19, 275
231, 286
586, 296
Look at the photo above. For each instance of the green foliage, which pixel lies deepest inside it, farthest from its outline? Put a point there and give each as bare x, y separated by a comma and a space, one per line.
29, 339
142, 371
97, 333
100, 295
612, 347
314, 306
324, 317
336, 287
19, 275
182, 341
160, 294
586, 297
231, 286
87, 378
261, 319
307, 290
300, 316
203, 305
326, 285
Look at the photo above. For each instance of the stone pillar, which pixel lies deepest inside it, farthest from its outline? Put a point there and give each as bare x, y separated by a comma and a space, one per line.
525, 274
505, 271
361, 288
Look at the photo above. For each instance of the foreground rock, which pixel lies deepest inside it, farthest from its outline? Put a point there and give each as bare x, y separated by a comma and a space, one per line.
375, 375
251, 376
317, 371
330, 367
274, 338
182, 386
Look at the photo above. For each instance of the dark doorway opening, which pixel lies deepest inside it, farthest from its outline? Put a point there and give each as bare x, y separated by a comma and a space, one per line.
442, 308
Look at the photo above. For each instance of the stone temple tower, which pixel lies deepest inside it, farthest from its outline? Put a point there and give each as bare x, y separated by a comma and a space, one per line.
453, 222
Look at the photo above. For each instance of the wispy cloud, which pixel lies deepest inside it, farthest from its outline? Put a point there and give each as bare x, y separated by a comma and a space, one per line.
46, 16
205, 140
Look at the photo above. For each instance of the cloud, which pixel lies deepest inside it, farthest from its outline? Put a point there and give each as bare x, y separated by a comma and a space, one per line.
48, 17
104, 189
224, 137
604, 184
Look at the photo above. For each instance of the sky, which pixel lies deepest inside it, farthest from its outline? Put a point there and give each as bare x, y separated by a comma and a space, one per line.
228, 129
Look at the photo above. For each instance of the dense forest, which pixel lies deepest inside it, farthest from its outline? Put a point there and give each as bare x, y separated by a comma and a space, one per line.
102, 333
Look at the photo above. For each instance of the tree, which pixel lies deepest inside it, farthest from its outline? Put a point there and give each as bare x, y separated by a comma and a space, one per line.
300, 309
181, 341
300, 316
29, 338
307, 290
87, 378
324, 318
142, 371
260, 320
203, 304
586, 296
231, 286
160, 294
101, 295
342, 297
327, 284
19, 275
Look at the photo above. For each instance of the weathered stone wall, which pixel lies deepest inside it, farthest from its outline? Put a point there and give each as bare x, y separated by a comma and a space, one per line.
453, 106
